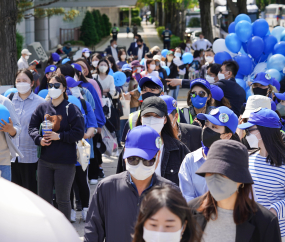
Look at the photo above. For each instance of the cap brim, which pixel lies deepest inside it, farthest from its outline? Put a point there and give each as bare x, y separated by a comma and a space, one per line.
236, 174
247, 113
245, 125
146, 154
261, 82
170, 110
211, 118
280, 96
153, 110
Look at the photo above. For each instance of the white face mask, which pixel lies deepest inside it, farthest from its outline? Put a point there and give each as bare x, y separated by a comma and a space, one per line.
54, 93
152, 67
221, 76
27, 57
252, 140
140, 171
209, 59
103, 69
210, 79
115, 46
139, 69
95, 63
75, 78
23, 87
123, 57
87, 54
156, 123
176, 54
75, 91
157, 236
188, 45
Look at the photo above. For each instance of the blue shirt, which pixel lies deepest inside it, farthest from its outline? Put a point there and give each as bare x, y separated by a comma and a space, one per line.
191, 184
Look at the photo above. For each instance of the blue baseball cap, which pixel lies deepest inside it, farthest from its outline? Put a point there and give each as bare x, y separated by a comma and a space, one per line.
201, 82
126, 67
273, 105
51, 68
85, 50
280, 96
77, 67
276, 84
55, 57
222, 116
170, 102
154, 79
263, 78
262, 117
71, 82
65, 60
142, 141
217, 92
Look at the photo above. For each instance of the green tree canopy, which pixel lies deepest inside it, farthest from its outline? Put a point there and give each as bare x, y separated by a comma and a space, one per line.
97, 22
88, 31
107, 25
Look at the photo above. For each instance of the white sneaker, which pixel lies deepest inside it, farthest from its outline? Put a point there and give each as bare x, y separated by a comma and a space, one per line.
93, 181
84, 213
73, 216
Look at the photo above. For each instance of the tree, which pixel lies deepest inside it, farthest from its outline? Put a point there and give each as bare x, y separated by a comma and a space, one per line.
100, 23
88, 31
97, 23
107, 25
238, 8
205, 13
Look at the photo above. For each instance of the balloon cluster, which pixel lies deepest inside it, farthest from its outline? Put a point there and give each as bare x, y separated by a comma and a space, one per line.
254, 48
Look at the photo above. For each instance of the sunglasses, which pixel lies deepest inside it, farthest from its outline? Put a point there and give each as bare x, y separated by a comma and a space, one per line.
247, 131
134, 160
200, 94
55, 85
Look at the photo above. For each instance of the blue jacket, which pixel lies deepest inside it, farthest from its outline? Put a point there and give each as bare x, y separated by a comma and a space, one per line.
145, 50
131, 49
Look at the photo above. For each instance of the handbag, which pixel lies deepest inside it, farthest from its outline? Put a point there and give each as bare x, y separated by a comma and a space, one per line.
109, 140
126, 107
83, 153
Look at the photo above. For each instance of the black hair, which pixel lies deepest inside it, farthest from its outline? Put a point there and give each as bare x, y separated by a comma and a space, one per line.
197, 53
151, 85
80, 75
97, 55
111, 41
120, 52
232, 66
67, 70
174, 111
155, 52
114, 65
209, 50
103, 60
43, 83
234, 135
27, 72
149, 55
140, 40
89, 75
214, 68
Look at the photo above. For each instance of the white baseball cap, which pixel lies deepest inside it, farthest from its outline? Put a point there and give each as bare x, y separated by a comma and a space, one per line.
255, 102
25, 52
157, 57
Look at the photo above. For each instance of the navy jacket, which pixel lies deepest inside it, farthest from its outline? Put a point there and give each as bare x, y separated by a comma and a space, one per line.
109, 51
145, 50
131, 49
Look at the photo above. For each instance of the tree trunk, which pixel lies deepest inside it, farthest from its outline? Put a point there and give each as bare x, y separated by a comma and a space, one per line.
8, 49
241, 6
159, 8
205, 13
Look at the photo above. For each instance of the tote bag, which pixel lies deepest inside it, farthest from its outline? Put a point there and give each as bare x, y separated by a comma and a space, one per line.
126, 107
83, 153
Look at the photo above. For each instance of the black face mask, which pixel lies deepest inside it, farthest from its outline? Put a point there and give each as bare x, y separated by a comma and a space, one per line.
139, 46
149, 94
209, 137
128, 74
259, 91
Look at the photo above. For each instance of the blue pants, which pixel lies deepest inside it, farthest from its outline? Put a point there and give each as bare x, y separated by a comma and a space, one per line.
174, 93
6, 172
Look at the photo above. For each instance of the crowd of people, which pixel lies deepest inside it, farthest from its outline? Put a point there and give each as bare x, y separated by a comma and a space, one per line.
211, 171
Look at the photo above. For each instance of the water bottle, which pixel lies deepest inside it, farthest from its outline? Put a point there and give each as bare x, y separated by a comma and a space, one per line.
46, 126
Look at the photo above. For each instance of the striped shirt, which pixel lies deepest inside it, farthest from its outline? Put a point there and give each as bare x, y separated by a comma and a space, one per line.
269, 185
24, 110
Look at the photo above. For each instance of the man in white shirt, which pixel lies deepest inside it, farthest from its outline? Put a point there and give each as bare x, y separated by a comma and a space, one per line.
23, 61
141, 49
112, 49
201, 43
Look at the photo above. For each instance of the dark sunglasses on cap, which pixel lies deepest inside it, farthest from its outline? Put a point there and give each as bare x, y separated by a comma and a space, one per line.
247, 131
200, 94
55, 85
135, 160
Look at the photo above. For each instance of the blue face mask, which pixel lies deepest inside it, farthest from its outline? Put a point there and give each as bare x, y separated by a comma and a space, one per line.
199, 102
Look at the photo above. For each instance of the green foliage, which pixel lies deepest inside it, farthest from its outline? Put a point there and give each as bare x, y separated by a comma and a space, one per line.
106, 24
70, 15
88, 30
194, 22
75, 42
175, 41
97, 23
19, 43
48, 12
135, 12
136, 20
159, 30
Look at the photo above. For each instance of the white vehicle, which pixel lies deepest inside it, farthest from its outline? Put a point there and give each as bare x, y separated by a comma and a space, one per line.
195, 35
273, 14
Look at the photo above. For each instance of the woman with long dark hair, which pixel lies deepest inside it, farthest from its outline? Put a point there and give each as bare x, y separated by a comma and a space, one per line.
95, 60
112, 62
228, 212
164, 216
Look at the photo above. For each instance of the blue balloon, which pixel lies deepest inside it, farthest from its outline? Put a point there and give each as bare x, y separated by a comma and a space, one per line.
261, 58
248, 92
279, 48
111, 72
14, 90
243, 30
167, 70
276, 62
43, 93
220, 57
241, 82
245, 64
119, 78
241, 17
164, 52
4, 114
142, 62
75, 101
282, 36
269, 42
244, 46
239, 76
231, 28
187, 58
233, 43
268, 33
277, 31
260, 28
275, 74
255, 46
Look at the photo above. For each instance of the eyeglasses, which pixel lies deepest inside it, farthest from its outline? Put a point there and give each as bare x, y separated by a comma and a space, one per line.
247, 131
134, 160
55, 85
200, 94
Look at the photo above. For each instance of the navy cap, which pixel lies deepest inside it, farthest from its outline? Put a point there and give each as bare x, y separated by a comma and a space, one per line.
71, 82
201, 82
153, 79
77, 67
263, 79
280, 96
55, 57
85, 50
51, 68
126, 67
222, 116
170, 102
217, 92
142, 141
276, 84
262, 117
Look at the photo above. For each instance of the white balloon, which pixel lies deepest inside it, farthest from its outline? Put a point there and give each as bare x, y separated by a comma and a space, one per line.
220, 45
260, 67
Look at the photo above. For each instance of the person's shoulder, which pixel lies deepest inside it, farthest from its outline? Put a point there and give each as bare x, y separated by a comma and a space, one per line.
38, 98
6, 101
161, 181
112, 180
263, 214
194, 204
190, 127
